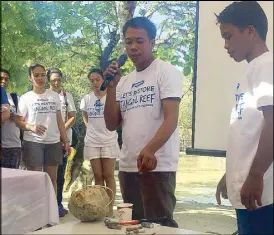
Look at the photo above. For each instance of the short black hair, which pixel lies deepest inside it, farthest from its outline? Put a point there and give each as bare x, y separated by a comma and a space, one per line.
95, 70
33, 66
54, 70
243, 14
141, 23
5, 71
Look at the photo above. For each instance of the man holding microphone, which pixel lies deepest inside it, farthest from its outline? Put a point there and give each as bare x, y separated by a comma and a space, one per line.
146, 103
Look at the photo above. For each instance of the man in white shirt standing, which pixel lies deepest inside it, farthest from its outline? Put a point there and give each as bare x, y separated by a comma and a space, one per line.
68, 112
146, 103
10, 133
249, 168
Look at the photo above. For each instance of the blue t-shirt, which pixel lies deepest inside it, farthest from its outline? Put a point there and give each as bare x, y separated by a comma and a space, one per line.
4, 97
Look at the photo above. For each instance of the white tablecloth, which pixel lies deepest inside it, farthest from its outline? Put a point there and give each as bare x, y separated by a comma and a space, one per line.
98, 227
28, 201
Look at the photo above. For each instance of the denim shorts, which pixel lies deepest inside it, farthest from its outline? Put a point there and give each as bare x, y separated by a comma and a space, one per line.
37, 154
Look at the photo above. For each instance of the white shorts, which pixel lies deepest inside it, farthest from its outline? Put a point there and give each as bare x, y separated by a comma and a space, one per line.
101, 152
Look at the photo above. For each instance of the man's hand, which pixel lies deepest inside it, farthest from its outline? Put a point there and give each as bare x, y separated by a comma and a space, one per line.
221, 190
252, 191
113, 70
38, 129
146, 160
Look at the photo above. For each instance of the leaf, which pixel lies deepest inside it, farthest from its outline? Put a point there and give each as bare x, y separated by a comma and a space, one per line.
187, 71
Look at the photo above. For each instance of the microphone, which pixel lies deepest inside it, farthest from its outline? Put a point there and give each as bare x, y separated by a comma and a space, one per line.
121, 61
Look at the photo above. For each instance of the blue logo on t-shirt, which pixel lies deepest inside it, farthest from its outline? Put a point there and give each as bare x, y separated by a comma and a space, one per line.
96, 110
137, 84
98, 106
139, 96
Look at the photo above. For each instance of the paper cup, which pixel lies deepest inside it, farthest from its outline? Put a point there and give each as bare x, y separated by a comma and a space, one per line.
124, 212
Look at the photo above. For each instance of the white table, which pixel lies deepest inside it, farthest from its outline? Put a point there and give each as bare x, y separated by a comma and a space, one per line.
98, 227
28, 201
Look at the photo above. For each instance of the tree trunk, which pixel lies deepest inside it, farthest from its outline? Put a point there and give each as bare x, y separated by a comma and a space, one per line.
125, 11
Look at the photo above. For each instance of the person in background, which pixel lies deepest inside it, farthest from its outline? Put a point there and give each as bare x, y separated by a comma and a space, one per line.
10, 133
5, 107
146, 103
101, 145
39, 115
68, 112
248, 181
5, 112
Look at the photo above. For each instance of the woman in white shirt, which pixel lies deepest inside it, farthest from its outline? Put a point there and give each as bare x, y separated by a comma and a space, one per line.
101, 145
40, 117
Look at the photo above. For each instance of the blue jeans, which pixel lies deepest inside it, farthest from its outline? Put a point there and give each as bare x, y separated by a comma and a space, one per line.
259, 221
61, 181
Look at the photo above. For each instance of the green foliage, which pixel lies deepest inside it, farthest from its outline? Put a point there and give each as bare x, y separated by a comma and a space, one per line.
185, 114
22, 33
75, 36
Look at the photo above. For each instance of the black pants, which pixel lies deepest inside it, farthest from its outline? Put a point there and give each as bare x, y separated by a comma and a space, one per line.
11, 157
259, 221
61, 180
152, 194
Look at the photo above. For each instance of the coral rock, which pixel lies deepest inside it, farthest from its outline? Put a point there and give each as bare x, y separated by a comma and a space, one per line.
89, 203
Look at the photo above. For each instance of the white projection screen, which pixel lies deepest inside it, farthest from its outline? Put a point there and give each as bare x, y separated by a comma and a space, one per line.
215, 76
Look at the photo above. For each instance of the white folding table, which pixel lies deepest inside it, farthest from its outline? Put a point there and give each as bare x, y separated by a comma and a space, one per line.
28, 201
98, 227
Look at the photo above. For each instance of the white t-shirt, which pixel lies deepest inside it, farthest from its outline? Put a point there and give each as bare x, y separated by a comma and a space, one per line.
246, 124
97, 134
71, 108
41, 109
140, 95
10, 132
